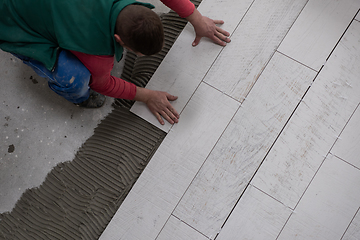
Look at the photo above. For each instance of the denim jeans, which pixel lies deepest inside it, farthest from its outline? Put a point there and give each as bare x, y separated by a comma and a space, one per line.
69, 79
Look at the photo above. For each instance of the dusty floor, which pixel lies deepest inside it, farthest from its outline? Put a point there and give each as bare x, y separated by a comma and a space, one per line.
39, 129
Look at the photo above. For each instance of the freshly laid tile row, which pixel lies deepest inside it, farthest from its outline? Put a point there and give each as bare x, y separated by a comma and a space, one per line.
184, 67
174, 165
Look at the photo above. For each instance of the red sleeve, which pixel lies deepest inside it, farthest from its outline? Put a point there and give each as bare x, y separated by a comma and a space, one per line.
101, 80
182, 7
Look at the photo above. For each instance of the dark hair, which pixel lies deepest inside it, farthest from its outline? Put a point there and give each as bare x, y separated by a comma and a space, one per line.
140, 29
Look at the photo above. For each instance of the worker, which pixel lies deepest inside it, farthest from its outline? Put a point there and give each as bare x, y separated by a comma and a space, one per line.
73, 44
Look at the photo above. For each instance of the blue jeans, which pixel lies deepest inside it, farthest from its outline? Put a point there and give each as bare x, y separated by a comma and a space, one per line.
70, 78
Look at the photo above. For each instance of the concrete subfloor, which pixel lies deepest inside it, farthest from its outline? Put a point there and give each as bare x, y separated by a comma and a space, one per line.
39, 129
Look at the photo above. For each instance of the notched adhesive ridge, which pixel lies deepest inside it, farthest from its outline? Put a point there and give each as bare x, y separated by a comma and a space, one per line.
79, 198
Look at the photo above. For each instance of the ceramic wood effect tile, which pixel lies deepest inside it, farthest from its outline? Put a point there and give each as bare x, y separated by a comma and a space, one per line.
347, 145
317, 30
353, 231
253, 43
173, 167
178, 230
184, 67
315, 125
328, 205
256, 216
244, 144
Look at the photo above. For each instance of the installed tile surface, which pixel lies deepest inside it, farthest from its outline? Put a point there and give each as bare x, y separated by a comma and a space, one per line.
329, 204
244, 144
178, 230
266, 134
182, 70
317, 30
254, 42
256, 216
353, 232
347, 145
315, 125
174, 165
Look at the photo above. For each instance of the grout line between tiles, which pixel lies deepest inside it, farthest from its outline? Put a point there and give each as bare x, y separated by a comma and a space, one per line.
317, 170
202, 81
189, 226
290, 117
297, 61
172, 213
278, 134
345, 161
350, 224
356, 15
239, 101
210, 150
341, 37
342, 130
293, 210
293, 23
329, 153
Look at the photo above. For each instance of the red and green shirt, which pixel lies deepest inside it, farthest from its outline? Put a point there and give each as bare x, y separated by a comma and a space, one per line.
39, 28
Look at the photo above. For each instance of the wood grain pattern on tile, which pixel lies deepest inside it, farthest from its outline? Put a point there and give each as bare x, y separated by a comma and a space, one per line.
328, 205
174, 165
252, 45
315, 125
244, 144
257, 216
317, 30
184, 67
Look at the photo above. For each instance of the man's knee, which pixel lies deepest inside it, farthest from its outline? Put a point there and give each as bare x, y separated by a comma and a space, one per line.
70, 72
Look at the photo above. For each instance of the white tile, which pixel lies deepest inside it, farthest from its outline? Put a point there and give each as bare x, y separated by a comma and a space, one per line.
256, 216
347, 145
244, 144
353, 232
253, 43
358, 17
315, 125
184, 67
328, 205
178, 230
173, 166
317, 30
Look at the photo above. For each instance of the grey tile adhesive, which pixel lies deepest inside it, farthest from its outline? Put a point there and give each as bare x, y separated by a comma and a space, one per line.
78, 198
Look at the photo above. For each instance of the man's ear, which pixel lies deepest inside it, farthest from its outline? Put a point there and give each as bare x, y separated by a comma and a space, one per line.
118, 39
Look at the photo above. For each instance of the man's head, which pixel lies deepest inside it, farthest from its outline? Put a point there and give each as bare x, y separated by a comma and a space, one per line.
139, 29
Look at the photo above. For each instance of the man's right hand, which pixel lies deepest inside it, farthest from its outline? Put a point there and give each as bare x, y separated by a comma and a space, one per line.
158, 103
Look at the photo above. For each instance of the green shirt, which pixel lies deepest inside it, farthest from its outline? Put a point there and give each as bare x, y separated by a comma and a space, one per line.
39, 28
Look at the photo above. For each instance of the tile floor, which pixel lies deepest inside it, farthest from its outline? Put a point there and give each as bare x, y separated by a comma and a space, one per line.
267, 143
